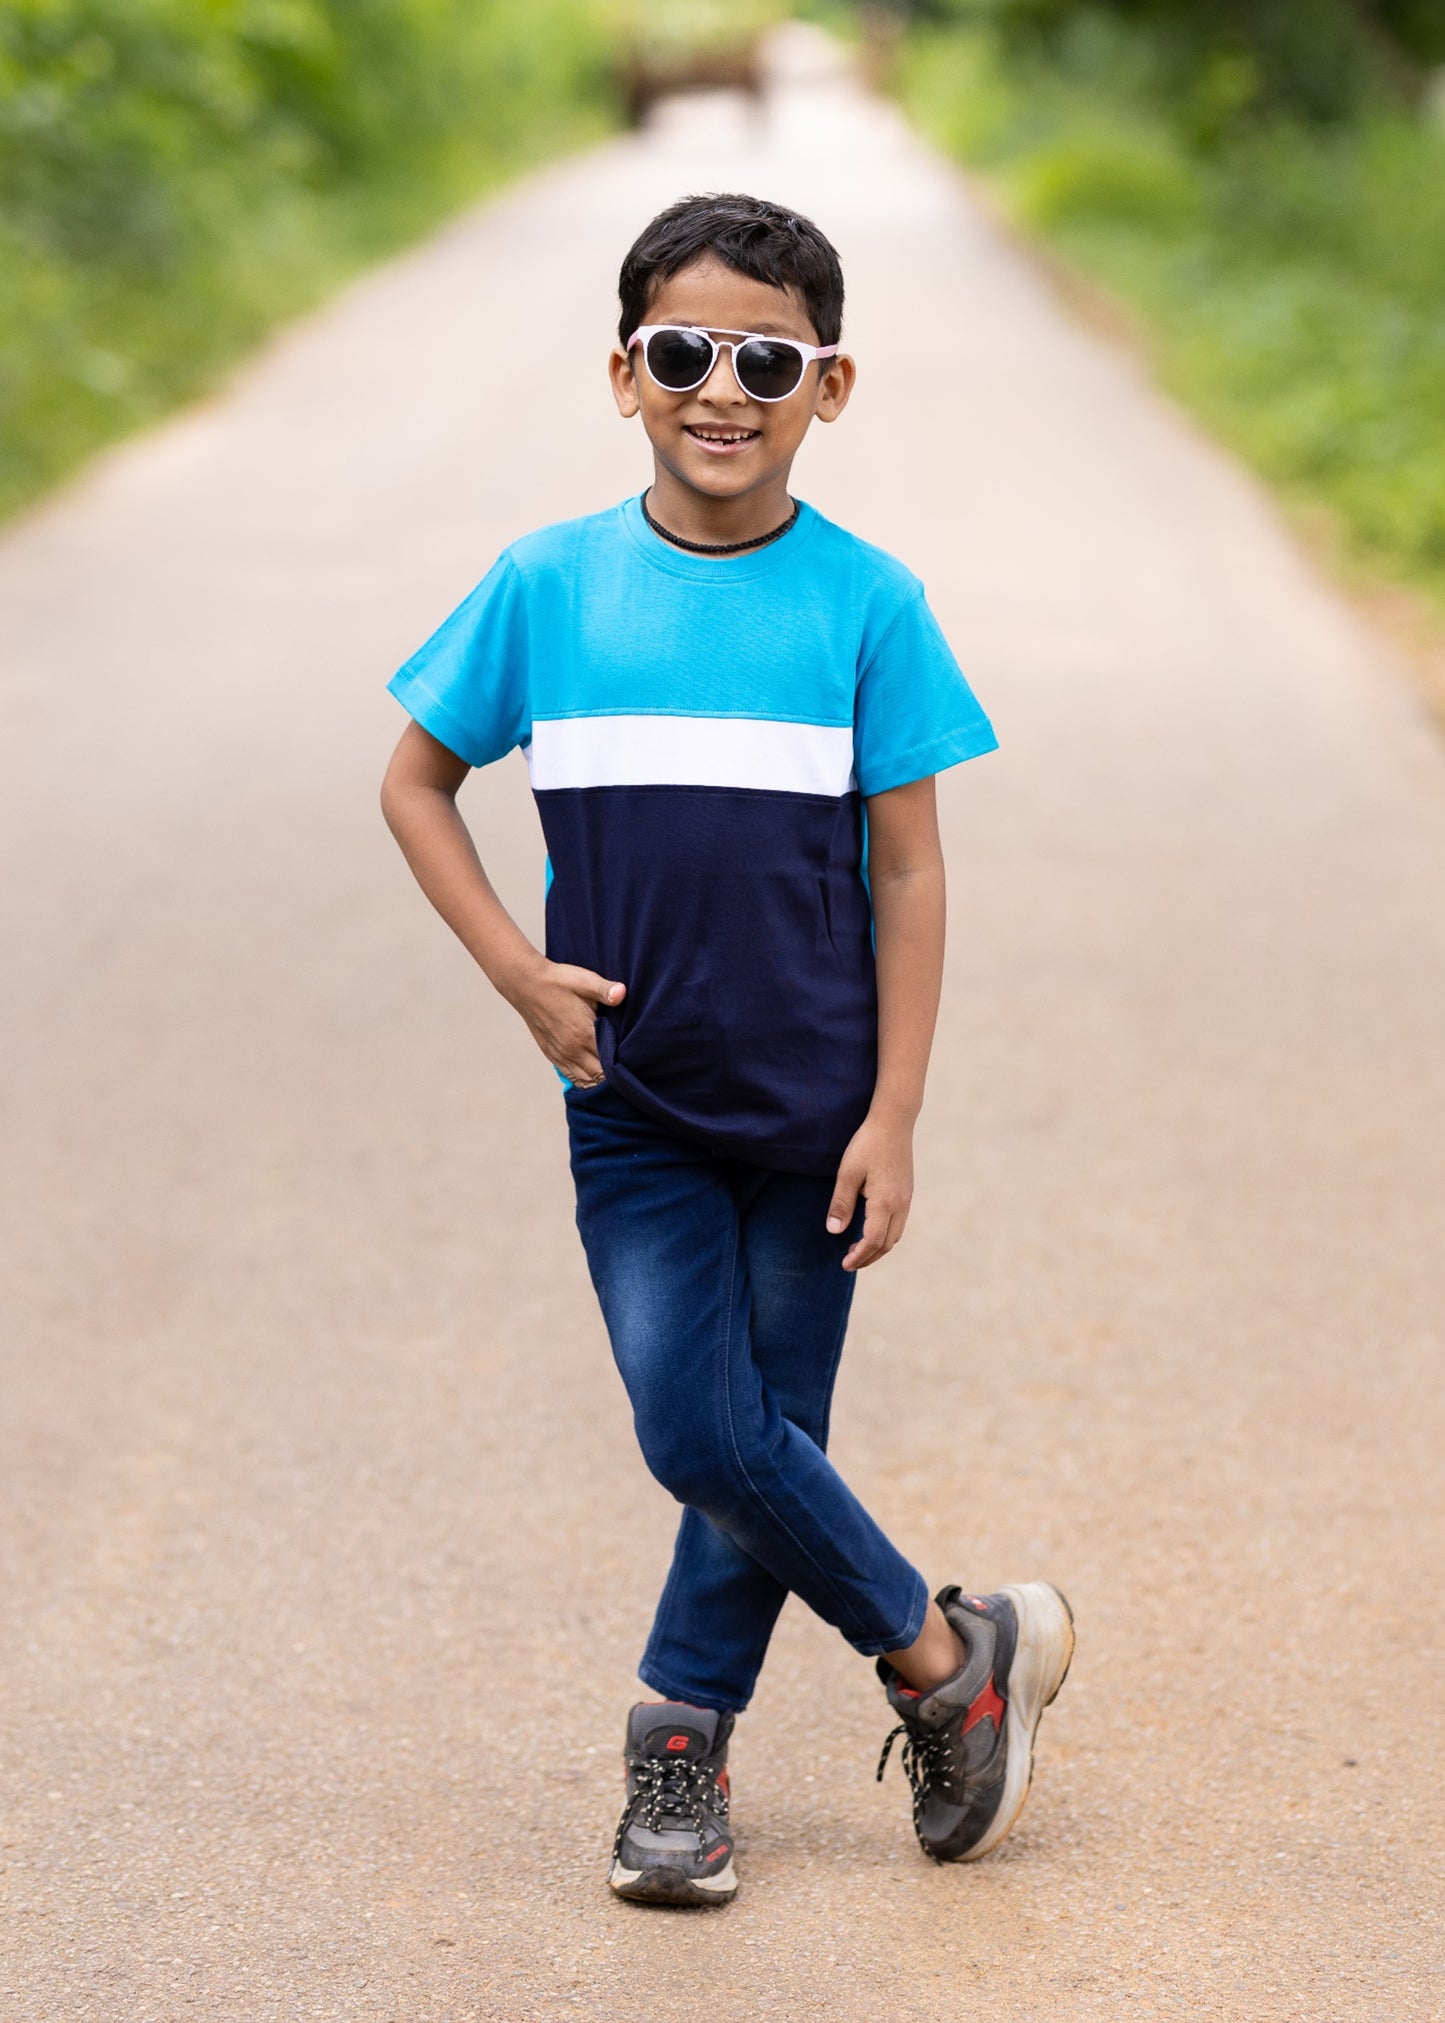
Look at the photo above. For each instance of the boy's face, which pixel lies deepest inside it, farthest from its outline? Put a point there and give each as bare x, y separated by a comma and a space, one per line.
715, 438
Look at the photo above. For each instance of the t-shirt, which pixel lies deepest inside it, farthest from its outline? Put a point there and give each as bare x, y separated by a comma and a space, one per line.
700, 736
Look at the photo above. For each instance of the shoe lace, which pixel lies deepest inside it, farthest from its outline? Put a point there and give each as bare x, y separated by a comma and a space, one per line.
671, 1792
925, 1760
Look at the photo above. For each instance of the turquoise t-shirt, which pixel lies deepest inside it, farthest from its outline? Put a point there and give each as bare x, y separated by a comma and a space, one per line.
701, 736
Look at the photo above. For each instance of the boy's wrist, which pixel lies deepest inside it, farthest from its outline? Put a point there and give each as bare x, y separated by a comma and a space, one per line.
893, 1111
517, 978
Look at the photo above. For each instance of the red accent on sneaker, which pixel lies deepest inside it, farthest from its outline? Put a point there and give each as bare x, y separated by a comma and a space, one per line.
987, 1707
724, 1784
909, 1693
676, 1742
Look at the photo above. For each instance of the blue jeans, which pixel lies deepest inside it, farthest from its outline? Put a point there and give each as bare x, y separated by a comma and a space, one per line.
726, 1302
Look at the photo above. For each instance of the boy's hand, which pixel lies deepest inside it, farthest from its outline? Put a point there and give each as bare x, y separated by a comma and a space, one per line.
558, 1000
878, 1164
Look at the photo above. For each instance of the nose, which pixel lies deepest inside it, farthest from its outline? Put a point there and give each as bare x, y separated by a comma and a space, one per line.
720, 388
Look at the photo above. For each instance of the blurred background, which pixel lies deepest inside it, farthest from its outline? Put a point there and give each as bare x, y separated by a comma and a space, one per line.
1257, 186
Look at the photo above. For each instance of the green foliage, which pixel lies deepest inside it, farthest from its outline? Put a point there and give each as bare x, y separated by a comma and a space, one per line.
672, 28
1216, 61
1107, 172
1290, 271
175, 175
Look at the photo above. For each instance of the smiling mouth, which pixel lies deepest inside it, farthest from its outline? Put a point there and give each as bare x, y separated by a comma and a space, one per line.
719, 441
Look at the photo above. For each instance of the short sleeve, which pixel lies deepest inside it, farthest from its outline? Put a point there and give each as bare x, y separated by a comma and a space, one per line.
468, 685
914, 714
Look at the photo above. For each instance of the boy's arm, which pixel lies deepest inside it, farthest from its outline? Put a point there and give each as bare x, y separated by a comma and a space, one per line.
905, 877
557, 999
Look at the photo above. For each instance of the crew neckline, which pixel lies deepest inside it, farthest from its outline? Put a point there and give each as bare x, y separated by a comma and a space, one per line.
725, 569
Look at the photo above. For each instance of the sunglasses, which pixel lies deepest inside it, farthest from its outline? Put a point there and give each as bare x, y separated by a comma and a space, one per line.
679, 358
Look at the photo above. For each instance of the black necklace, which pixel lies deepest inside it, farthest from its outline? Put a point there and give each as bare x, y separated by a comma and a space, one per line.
725, 547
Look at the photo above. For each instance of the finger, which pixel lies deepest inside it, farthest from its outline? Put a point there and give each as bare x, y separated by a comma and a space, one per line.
845, 1199
587, 983
892, 1236
872, 1244
571, 1054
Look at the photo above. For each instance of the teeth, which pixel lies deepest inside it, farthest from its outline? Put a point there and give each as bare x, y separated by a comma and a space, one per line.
719, 436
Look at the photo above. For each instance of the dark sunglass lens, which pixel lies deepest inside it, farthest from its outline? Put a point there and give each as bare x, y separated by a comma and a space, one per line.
768, 370
678, 358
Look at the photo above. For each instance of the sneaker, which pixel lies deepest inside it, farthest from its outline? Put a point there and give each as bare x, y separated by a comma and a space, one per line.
673, 1845
968, 1747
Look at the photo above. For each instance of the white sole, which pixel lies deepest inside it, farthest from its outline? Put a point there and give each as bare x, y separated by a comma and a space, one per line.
1041, 1660
671, 1886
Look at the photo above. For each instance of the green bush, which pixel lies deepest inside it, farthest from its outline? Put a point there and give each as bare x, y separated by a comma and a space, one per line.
176, 175
1289, 269
1216, 61
1106, 172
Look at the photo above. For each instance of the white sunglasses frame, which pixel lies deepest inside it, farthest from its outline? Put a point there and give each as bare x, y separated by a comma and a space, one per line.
729, 342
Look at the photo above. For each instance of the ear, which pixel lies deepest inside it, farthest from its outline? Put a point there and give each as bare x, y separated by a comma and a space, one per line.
834, 386
624, 382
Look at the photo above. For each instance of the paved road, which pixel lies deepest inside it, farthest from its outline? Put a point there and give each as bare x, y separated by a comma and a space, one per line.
328, 1554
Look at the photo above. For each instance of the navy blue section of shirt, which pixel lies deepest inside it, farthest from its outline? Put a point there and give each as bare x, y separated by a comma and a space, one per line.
740, 923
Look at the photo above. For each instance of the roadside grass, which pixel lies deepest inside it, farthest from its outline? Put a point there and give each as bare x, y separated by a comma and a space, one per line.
1289, 279
177, 178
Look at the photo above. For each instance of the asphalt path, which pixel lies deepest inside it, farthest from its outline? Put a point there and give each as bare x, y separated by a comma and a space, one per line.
328, 1553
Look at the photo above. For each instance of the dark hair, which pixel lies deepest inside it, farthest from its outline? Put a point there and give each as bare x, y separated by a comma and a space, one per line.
748, 234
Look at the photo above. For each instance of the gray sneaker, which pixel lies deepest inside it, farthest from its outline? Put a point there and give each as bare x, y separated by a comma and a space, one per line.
968, 1747
673, 1845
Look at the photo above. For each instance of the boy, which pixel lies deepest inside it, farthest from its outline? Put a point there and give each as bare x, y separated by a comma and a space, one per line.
712, 684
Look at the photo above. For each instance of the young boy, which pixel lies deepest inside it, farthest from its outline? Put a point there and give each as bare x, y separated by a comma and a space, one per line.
720, 694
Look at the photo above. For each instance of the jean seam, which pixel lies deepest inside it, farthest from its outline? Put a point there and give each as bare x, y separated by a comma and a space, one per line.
912, 1631
833, 1375
845, 1607
657, 1613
